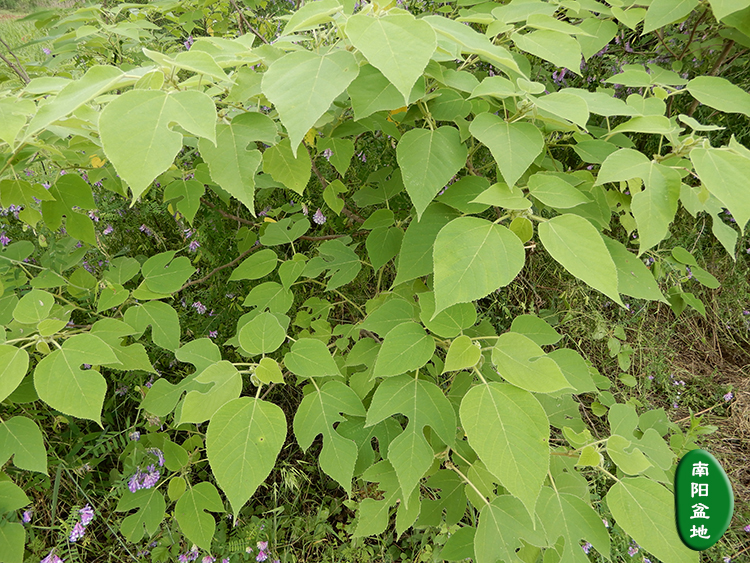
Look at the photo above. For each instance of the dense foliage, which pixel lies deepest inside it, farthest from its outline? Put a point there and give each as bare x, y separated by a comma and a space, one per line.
442, 149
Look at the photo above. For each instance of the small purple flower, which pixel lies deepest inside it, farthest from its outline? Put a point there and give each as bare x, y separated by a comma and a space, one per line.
362, 156
305, 211
87, 514
46, 185
93, 216
262, 545
586, 547
26, 516
188, 233
225, 560
213, 333
632, 550
158, 453
728, 397
134, 436
77, 533
183, 558
4, 239
261, 556
189, 42
747, 528
674, 405
46, 51
651, 377
727, 559
208, 559
134, 483
328, 153
193, 553
121, 391
51, 558
319, 218
200, 307
149, 479
29, 172
194, 245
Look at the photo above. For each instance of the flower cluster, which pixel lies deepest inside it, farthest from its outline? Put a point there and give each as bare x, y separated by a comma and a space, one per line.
319, 218
328, 153
142, 480
200, 307
87, 515
52, 558
145, 229
194, 245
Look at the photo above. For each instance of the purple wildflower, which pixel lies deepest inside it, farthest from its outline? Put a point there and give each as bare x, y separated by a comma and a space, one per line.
362, 156
121, 391
328, 153
92, 215
747, 528
194, 245
586, 547
632, 550
183, 558
158, 453
200, 307
262, 545
189, 42
305, 211
319, 218
46, 185
4, 239
51, 558
77, 533
208, 559
249, 550
728, 396
87, 514
261, 556
213, 333
26, 516
150, 479
134, 436
134, 483
193, 553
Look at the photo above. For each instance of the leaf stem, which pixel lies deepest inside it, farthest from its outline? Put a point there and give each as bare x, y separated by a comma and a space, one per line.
452, 466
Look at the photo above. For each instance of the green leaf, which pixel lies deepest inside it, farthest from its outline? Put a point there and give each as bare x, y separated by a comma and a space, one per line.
574, 368
12, 541
388, 316
162, 274
382, 244
15, 362
654, 208
449, 322
200, 406
256, 266
309, 357
520, 361
135, 131
415, 258
473, 257
407, 347
130, 357
317, 414
12, 497
291, 270
555, 192
720, 94
633, 278
568, 106
231, 164
331, 191
536, 329
371, 92
428, 160
324, 77
97, 80
452, 499
285, 231
13, 113
384, 40
665, 12
723, 8
503, 523
514, 146
151, 508
341, 261
462, 354
424, 404
724, 174
261, 335
500, 421
577, 245
603, 31
284, 166
573, 518
645, 510
122, 269
165, 324
33, 307
503, 196
268, 371
311, 15
558, 48
187, 196
190, 512
271, 296
63, 385
21, 438
471, 41
243, 440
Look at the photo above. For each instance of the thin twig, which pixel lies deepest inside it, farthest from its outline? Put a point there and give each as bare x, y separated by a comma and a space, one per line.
232, 263
714, 71
18, 67
661, 39
228, 215
692, 34
247, 23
